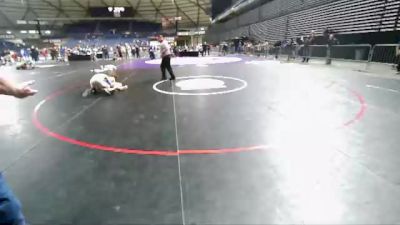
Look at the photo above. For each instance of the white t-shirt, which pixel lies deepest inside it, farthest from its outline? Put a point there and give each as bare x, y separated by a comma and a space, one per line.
100, 81
165, 48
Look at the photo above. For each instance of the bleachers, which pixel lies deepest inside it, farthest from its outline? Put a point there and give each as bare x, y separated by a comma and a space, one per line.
112, 29
109, 33
72, 42
344, 16
81, 28
107, 26
240, 32
248, 17
271, 30
282, 19
5, 45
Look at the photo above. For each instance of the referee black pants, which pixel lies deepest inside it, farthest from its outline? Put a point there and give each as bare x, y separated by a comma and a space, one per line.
166, 65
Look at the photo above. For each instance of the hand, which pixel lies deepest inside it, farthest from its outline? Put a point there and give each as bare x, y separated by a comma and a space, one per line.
24, 90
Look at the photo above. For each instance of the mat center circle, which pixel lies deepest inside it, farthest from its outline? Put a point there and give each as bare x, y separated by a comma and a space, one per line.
200, 85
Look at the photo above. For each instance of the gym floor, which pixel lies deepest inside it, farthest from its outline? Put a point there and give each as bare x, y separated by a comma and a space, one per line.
235, 140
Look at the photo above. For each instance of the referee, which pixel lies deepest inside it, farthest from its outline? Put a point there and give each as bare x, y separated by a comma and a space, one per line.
165, 50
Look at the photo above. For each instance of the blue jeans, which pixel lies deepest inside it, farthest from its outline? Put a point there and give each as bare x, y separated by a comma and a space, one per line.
10, 208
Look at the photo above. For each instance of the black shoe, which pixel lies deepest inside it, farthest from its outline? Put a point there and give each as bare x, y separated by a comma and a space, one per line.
172, 78
163, 78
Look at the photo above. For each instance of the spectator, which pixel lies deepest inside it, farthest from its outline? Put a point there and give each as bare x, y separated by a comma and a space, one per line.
62, 53
225, 49
175, 50
104, 49
291, 47
326, 34
398, 58
127, 50
277, 48
92, 53
123, 51
309, 40
34, 54
133, 51
200, 49
266, 48
204, 50
22, 52
151, 53
14, 56
53, 53
259, 48
137, 50
331, 41
10, 208
45, 53
119, 51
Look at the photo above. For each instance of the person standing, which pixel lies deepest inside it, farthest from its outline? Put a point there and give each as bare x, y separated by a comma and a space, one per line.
165, 50
137, 50
398, 58
266, 48
22, 53
62, 53
225, 49
10, 207
34, 54
105, 52
204, 49
119, 51
277, 49
53, 53
127, 50
331, 41
200, 49
151, 53
46, 54
133, 50
309, 40
175, 51
123, 51
291, 46
398, 55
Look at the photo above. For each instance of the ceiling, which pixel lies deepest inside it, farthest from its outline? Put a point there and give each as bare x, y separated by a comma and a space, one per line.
194, 13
